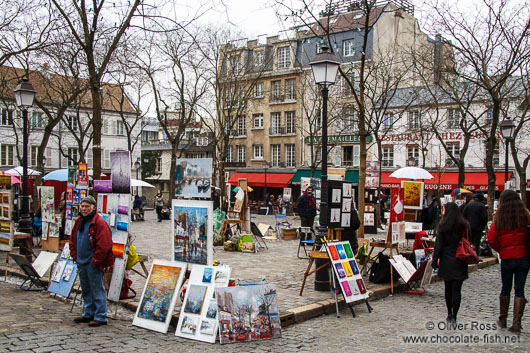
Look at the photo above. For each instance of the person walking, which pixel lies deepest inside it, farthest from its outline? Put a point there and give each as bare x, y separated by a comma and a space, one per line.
307, 208
350, 233
451, 229
508, 236
159, 204
138, 209
476, 214
91, 249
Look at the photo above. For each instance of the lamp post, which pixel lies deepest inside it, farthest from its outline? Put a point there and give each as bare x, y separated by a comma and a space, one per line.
507, 129
324, 66
265, 164
137, 166
24, 94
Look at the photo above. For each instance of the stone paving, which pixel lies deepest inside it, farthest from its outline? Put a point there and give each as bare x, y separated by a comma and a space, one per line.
32, 322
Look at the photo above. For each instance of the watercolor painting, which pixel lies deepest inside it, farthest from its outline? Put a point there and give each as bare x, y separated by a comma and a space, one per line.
193, 177
207, 327
189, 324
211, 313
195, 299
120, 165
207, 275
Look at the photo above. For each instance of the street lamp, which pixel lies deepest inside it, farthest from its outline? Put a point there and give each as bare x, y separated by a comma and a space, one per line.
324, 66
507, 128
24, 94
265, 165
137, 166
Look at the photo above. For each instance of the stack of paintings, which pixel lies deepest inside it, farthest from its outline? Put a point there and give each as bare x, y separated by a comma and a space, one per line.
248, 313
160, 295
198, 318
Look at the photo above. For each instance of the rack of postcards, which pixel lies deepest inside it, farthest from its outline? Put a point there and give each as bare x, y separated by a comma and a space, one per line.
51, 220
6, 223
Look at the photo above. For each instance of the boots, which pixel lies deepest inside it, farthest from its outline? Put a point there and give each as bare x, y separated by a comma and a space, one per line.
518, 310
504, 301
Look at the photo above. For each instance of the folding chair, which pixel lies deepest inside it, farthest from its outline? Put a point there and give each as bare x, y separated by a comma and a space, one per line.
306, 238
281, 221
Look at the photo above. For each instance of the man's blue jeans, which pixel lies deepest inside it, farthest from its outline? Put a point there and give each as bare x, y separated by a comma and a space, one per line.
94, 295
514, 269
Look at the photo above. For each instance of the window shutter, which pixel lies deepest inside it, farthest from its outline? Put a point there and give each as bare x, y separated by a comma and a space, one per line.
356, 155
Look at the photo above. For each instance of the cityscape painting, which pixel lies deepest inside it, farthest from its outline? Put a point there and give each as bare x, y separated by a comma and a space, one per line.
193, 177
248, 313
192, 231
159, 296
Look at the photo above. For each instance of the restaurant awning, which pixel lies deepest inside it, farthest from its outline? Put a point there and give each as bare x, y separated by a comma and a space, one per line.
274, 180
449, 181
351, 175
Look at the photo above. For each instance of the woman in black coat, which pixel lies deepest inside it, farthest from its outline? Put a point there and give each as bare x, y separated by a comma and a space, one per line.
350, 233
453, 271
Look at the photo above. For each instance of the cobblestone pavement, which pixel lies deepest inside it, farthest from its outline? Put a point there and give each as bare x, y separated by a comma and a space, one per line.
32, 322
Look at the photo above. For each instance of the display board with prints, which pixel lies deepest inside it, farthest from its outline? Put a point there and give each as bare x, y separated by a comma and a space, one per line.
64, 274
347, 271
198, 319
6, 223
160, 295
340, 194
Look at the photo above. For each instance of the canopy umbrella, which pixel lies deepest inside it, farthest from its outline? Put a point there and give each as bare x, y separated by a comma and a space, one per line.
139, 183
58, 175
411, 173
249, 189
460, 191
18, 171
14, 179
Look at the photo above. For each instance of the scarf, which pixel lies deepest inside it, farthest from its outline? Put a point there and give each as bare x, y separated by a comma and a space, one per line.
310, 200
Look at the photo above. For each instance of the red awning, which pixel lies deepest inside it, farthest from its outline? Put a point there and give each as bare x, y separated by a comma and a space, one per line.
449, 181
274, 180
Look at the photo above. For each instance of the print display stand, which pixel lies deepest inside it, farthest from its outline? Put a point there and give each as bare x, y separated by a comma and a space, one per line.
64, 275
384, 245
236, 224
6, 209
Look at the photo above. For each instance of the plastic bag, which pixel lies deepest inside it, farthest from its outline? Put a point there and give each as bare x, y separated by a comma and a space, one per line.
133, 258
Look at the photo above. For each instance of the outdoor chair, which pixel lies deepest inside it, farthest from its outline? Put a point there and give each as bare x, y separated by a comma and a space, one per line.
306, 239
281, 221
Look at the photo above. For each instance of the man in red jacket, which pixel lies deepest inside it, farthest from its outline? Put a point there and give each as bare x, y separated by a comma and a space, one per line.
91, 248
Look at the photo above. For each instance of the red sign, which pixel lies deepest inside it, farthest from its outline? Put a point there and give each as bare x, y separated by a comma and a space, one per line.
397, 205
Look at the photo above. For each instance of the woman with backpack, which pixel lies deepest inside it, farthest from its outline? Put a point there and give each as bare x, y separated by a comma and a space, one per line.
451, 229
508, 236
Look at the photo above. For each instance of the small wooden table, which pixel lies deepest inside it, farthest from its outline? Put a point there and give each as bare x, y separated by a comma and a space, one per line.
379, 244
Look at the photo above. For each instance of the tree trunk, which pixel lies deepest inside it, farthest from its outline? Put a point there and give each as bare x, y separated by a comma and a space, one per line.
97, 126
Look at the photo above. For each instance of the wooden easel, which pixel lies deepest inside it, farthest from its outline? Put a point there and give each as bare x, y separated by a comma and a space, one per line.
238, 223
384, 245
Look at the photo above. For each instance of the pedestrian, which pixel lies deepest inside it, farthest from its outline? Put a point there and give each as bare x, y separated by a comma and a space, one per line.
272, 201
159, 204
350, 233
451, 229
91, 248
138, 209
476, 214
469, 198
508, 236
281, 205
307, 208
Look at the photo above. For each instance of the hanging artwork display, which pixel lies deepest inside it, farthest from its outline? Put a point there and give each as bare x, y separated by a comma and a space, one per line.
372, 174
341, 196
82, 176
6, 224
120, 165
159, 295
397, 206
347, 271
398, 232
47, 201
115, 210
192, 231
193, 177
72, 175
412, 194
198, 316
104, 186
261, 319
64, 275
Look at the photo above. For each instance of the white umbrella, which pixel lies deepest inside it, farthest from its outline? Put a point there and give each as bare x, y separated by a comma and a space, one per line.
18, 171
139, 183
411, 173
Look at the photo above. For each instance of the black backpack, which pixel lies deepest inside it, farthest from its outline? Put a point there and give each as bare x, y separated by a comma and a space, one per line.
380, 270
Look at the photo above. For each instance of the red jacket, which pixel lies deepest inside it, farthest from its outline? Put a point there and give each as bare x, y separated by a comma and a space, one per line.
100, 237
510, 244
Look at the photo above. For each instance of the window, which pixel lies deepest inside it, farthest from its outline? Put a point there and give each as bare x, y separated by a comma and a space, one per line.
258, 152
290, 89
202, 141
284, 57
7, 155
159, 165
72, 156
289, 122
72, 122
36, 120
259, 58
120, 128
345, 87
349, 122
48, 156
276, 123
106, 159
257, 121
235, 61
258, 90
318, 121
489, 116
388, 122
348, 50
276, 91
90, 158
414, 120
105, 124
496, 154
414, 152
276, 155
34, 150
388, 156
454, 150
453, 118
241, 126
7, 117
241, 154
350, 156
230, 154
290, 155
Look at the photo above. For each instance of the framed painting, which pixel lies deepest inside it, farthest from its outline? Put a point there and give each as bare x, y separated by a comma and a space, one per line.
194, 177
412, 194
192, 231
160, 295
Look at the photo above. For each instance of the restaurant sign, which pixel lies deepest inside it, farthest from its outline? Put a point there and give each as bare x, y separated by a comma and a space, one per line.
336, 139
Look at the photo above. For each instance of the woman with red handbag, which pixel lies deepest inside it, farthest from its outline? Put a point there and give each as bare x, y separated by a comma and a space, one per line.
508, 236
451, 229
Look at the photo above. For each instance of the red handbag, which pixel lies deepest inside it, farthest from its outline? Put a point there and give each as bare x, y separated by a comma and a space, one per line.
466, 251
